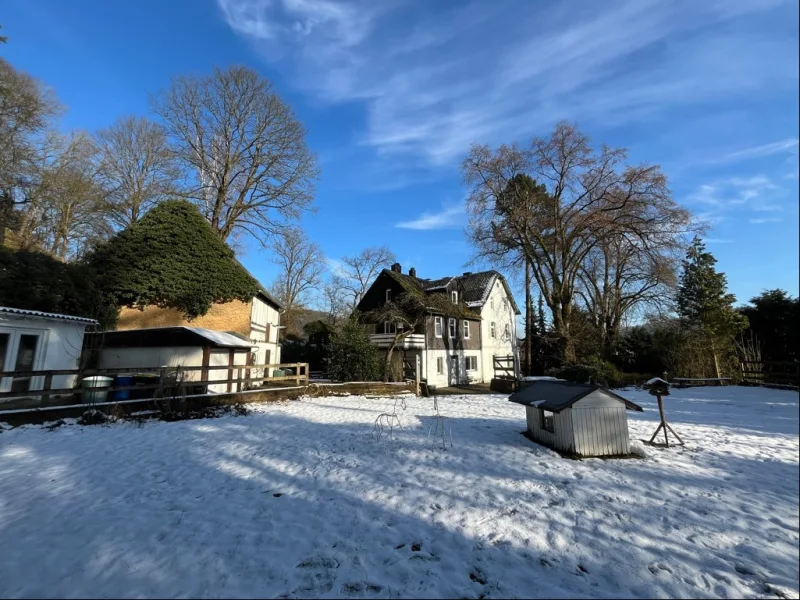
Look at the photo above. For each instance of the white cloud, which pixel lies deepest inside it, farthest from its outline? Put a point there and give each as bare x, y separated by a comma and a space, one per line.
335, 266
787, 145
717, 241
432, 83
757, 193
762, 220
448, 218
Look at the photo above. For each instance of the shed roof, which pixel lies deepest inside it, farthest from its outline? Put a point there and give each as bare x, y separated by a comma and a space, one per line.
555, 396
154, 337
22, 312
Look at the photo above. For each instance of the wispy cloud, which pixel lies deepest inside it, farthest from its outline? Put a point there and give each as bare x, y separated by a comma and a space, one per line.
448, 218
763, 220
782, 146
430, 82
757, 193
712, 240
335, 266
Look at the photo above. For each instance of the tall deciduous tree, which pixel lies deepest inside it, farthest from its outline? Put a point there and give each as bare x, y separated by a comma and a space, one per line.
591, 196
137, 169
358, 272
245, 151
302, 264
704, 303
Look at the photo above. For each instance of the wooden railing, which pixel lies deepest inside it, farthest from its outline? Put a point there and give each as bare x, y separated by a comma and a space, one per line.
170, 377
772, 373
505, 367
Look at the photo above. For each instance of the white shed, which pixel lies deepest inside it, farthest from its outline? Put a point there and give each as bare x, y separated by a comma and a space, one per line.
151, 348
31, 340
579, 419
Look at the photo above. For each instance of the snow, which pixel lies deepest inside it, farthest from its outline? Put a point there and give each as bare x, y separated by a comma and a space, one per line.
295, 500
540, 378
656, 380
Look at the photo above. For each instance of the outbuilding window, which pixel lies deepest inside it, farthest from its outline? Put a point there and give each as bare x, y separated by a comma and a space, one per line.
547, 420
493, 330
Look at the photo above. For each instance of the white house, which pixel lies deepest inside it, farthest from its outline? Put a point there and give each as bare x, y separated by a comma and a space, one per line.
455, 346
37, 341
578, 419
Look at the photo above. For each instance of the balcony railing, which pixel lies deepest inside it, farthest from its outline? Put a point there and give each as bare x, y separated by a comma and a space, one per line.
413, 341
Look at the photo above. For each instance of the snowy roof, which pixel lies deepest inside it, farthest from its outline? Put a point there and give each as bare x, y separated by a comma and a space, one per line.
170, 336
44, 315
555, 396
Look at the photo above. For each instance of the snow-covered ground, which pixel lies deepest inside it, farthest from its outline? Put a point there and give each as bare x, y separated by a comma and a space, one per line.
295, 500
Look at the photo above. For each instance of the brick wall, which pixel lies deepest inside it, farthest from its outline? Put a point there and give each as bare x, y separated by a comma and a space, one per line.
230, 316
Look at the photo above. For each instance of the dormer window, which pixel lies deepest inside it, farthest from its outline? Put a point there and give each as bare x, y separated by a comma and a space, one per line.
454, 297
388, 296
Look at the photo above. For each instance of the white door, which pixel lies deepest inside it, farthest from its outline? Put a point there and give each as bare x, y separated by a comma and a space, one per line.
21, 350
453, 370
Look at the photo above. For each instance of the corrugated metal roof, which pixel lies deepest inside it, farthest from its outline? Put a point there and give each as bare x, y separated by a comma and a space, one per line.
177, 335
45, 315
555, 396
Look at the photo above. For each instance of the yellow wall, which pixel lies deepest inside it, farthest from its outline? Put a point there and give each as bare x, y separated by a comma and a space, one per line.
230, 316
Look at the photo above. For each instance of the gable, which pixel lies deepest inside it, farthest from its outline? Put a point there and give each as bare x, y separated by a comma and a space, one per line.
375, 296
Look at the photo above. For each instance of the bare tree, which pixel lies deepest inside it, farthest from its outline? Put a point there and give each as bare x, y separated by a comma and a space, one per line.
588, 196
137, 170
358, 272
334, 302
26, 111
302, 265
246, 152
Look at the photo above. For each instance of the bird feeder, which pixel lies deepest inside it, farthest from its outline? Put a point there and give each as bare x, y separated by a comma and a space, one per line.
660, 388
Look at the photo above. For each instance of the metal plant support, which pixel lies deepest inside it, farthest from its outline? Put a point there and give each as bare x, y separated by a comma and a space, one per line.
388, 421
440, 426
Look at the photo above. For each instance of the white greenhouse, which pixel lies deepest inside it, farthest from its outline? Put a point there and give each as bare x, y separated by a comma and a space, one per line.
578, 419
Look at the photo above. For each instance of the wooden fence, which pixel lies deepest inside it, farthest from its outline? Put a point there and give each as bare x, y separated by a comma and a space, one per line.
505, 367
771, 373
171, 380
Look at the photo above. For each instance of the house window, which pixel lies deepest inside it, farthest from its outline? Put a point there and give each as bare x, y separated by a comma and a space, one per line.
440, 366
388, 327
491, 303
506, 331
472, 363
451, 324
546, 420
454, 297
466, 330
493, 330
505, 304
437, 326
388, 296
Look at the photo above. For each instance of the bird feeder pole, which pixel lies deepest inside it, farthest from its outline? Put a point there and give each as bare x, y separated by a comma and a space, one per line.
659, 388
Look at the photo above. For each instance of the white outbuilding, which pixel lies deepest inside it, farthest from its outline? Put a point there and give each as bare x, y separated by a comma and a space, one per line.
578, 419
31, 340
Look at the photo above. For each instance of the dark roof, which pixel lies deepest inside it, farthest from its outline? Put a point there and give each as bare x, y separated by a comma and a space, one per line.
414, 285
474, 287
555, 396
22, 312
157, 337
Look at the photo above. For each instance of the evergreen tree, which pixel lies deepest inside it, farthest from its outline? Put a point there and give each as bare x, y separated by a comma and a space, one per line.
704, 304
171, 258
351, 355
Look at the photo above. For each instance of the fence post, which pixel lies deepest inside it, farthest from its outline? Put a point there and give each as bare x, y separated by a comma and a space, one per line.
48, 383
297, 374
239, 379
417, 373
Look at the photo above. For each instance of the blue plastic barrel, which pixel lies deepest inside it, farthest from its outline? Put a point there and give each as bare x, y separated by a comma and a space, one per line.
123, 380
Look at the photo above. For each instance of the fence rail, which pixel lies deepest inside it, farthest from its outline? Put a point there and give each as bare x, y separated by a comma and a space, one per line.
173, 377
776, 373
505, 367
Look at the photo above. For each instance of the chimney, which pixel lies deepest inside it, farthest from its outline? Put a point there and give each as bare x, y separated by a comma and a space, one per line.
467, 273
396, 268
412, 272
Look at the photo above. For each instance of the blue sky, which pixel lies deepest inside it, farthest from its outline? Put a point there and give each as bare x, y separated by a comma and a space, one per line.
393, 93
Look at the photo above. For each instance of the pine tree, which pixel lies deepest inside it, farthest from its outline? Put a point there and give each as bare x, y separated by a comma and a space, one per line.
704, 304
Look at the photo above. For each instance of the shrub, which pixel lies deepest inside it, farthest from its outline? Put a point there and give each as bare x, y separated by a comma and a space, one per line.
595, 370
351, 356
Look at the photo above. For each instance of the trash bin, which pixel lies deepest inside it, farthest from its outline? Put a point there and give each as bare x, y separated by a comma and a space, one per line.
278, 373
95, 389
122, 381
